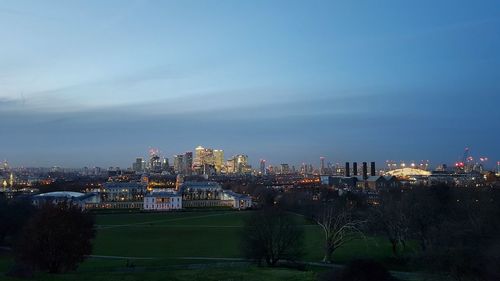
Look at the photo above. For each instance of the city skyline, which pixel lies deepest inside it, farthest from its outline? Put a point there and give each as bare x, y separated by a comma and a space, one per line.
256, 163
92, 83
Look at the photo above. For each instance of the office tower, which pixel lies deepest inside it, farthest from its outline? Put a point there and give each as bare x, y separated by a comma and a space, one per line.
138, 165
188, 163
347, 170
231, 165
198, 154
179, 164
262, 166
284, 169
372, 169
303, 169
322, 165
218, 160
354, 168
155, 163
204, 161
204, 156
238, 164
365, 170
165, 165
242, 163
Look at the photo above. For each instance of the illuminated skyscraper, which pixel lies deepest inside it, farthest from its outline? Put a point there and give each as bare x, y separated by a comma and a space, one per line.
218, 160
322, 166
179, 164
238, 164
242, 164
155, 163
138, 165
165, 166
204, 161
284, 169
188, 163
262, 166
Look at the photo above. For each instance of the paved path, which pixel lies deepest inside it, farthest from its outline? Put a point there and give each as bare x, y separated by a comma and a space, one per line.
120, 257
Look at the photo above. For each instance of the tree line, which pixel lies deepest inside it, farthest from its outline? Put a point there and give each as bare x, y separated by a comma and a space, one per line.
456, 229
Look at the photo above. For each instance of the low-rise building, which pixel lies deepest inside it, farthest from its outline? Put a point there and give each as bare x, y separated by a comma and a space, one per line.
371, 182
123, 191
162, 201
210, 194
240, 201
83, 200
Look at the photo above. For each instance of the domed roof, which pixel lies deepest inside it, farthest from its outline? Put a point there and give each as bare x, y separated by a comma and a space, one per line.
405, 172
61, 194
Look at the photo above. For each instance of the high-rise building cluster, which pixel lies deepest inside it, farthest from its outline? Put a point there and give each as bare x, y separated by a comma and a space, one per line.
204, 161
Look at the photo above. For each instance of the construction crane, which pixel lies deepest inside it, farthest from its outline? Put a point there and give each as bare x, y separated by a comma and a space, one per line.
466, 164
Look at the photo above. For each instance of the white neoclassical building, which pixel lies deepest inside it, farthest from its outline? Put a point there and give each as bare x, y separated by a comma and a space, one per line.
162, 201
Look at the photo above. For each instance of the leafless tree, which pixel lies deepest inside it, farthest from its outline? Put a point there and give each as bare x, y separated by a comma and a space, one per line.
339, 228
272, 235
391, 219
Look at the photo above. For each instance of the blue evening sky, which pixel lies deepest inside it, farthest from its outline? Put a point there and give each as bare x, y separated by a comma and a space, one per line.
86, 83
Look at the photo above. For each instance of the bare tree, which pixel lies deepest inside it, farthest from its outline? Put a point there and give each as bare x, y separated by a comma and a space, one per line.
339, 228
272, 235
391, 219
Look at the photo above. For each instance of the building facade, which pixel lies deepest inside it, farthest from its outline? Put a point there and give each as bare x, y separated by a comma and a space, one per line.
162, 201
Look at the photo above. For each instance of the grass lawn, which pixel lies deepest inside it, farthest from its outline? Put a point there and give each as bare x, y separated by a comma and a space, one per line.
176, 244
206, 234
251, 273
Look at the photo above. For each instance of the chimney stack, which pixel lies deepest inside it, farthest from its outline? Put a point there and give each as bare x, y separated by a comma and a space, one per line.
365, 170
372, 169
347, 170
354, 168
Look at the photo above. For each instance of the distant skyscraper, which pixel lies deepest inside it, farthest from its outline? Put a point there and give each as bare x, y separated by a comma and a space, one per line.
285, 169
204, 160
303, 169
165, 166
322, 165
179, 164
238, 164
138, 165
242, 163
218, 160
155, 163
262, 166
188, 163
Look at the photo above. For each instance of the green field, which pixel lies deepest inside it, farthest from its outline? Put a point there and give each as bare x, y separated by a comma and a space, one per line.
205, 234
179, 243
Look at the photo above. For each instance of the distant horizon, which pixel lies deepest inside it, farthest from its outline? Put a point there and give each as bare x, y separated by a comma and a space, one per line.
489, 164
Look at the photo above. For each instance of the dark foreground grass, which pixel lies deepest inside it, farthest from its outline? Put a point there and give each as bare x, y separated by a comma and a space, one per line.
251, 273
208, 234
179, 245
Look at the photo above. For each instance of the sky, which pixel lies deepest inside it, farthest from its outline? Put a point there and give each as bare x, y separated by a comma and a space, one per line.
97, 83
